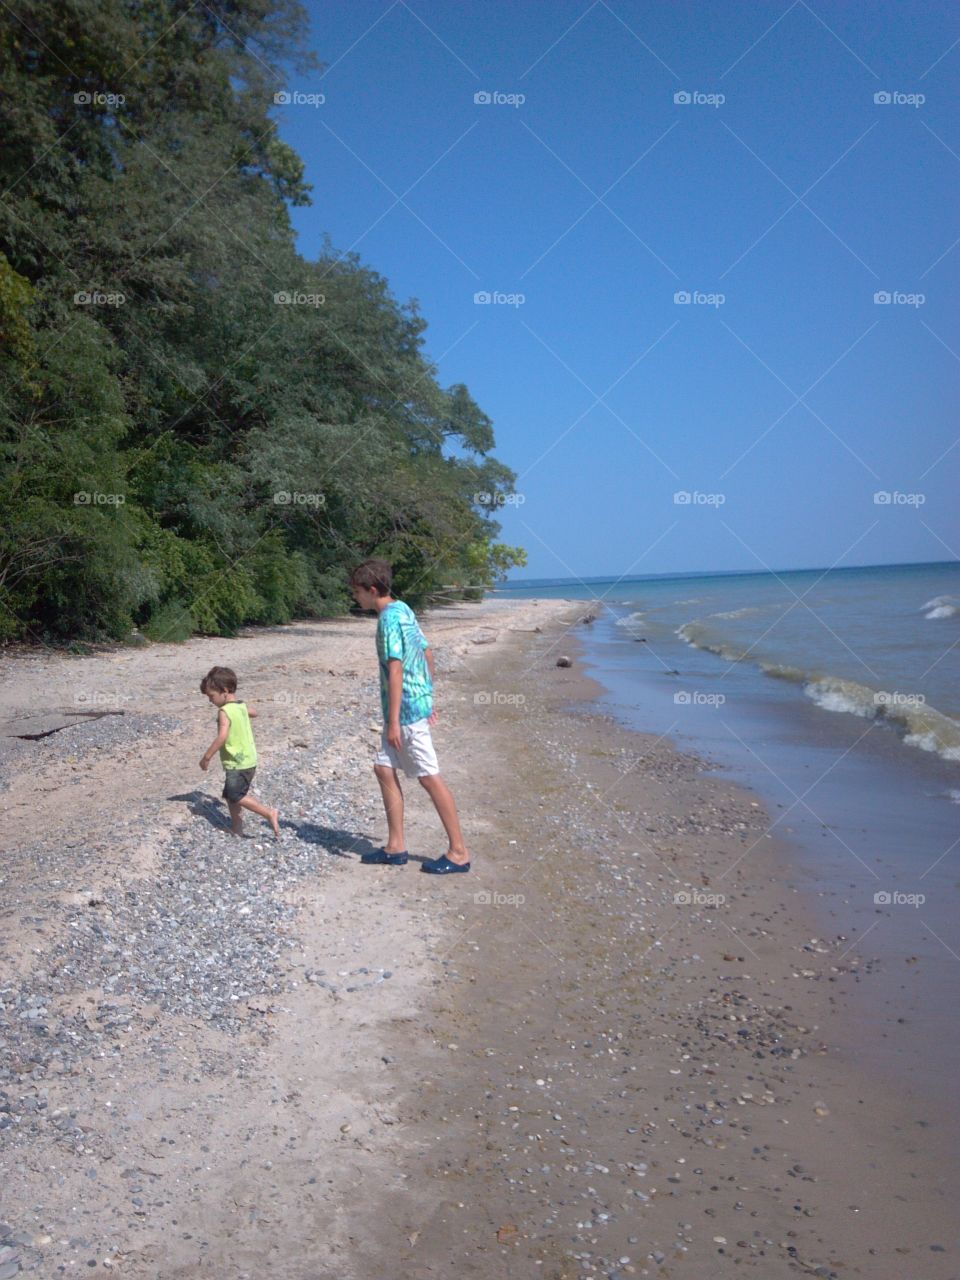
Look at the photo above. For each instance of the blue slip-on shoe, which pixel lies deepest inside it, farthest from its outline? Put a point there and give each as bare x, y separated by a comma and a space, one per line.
442, 866
381, 858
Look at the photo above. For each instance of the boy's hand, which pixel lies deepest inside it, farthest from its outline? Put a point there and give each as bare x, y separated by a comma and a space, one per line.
393, 735
204, 763
432, 718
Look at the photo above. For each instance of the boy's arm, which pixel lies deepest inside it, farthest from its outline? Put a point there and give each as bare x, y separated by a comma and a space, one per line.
223, 727
251, 712
394, 695
428, 655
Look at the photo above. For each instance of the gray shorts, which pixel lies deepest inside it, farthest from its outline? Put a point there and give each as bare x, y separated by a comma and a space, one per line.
236, 784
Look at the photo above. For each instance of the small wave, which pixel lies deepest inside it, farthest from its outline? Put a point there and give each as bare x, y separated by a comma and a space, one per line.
834, 694
632, 620
954, 795
781, 671
746, 612
697, 636
919, 724
941, 607
932, 740
922, 726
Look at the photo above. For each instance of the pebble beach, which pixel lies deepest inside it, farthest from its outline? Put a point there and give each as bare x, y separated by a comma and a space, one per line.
616, 1048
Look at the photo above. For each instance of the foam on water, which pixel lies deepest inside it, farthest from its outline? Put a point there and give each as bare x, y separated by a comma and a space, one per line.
697, 635
747, 612
941, 607
632, 620
919, 724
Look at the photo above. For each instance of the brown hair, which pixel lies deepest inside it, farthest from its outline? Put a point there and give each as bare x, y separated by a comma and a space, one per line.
375, 575
219, 680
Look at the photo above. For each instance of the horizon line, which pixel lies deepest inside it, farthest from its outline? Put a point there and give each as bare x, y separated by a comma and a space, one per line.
707, 573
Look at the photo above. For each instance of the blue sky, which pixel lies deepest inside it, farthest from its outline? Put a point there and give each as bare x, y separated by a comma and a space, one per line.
782, 409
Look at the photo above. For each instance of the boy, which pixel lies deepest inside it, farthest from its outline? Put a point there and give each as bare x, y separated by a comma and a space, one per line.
406, 699
238, 752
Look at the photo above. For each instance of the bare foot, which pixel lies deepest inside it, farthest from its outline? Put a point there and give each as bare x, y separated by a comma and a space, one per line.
234, 831
274, 815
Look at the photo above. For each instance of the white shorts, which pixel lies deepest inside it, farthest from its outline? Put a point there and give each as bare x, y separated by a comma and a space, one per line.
416, 757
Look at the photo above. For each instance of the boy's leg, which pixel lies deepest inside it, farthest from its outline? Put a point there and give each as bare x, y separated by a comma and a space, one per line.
393, 804
442, 798
236, 817
254, 806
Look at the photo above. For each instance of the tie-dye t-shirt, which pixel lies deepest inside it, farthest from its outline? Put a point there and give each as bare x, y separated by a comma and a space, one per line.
399, 636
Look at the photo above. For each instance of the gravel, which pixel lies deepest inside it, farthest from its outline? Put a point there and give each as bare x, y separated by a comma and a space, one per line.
203, 939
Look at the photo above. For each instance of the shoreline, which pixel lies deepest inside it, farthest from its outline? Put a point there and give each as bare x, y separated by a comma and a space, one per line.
737, 1073
880, 821
600, 1028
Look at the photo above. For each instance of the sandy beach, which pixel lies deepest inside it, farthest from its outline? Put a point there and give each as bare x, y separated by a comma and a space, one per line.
620, 1046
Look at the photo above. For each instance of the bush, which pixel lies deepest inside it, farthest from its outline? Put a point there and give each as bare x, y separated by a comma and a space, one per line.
170, 623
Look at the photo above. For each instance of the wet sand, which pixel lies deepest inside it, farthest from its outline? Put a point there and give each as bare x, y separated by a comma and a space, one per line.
647, 1080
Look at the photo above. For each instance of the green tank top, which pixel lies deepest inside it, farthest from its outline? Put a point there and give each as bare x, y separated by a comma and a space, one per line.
239, 750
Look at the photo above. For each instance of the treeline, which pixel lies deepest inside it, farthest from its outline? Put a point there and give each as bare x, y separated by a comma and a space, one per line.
199, 428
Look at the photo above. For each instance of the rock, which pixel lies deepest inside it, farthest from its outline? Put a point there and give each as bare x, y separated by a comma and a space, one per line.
564, 662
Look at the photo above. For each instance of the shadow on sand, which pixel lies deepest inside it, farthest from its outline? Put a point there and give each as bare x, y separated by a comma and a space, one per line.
337, 842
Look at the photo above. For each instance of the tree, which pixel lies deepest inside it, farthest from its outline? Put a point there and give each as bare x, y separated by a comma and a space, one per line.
198, 427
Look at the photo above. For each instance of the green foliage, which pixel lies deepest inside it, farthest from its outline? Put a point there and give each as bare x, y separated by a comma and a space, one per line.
171, 623
181, 449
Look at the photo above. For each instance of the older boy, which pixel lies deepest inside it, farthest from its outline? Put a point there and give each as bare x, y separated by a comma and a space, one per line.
406, 700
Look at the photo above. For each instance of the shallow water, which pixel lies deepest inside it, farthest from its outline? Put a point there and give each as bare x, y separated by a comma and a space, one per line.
835, 697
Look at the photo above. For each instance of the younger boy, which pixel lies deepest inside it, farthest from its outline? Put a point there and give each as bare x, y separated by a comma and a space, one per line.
406, 699
238, 752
